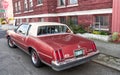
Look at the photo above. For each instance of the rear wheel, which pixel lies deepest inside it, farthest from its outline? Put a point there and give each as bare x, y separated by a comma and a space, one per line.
35, 59
11, 43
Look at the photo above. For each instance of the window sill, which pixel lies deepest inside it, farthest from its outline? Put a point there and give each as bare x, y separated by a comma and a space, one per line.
72, 5
39, 4
104, 29
26, 11
18, 13
61, 7
30, 11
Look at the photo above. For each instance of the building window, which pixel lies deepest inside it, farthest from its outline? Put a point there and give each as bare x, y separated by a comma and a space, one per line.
61, 2
19, 7
25, 5
63, 20
31, 19
30, 4
17, 21
41, 19
74, 20
27, 20
39, 1
16, 9
102, 20
20, 21
73, 2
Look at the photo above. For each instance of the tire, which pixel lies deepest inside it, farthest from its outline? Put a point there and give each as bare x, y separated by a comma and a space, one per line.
10, 43
35, 59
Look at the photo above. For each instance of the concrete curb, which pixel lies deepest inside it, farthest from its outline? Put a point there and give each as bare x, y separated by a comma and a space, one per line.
108, 61
108, 65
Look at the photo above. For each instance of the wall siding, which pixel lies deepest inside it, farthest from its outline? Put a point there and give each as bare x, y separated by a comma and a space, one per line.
116, 16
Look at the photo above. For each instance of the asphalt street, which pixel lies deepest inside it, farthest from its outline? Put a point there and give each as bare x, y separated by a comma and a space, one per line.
2, 33
14, 61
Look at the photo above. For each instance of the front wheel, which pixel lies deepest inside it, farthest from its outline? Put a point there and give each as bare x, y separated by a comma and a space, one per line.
35, 59
11, 43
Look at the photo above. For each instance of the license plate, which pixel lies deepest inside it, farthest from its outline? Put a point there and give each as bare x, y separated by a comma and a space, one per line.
78, 53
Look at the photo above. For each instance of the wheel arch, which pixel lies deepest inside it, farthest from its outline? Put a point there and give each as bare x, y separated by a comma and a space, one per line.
30, 49
8, 36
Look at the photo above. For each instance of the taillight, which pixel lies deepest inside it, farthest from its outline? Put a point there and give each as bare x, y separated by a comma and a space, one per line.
59, 55
94, 47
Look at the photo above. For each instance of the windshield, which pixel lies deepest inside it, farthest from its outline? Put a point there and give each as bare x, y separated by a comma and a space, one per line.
53, 29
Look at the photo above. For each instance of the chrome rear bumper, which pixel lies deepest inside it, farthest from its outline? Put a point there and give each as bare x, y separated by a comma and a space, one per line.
58, 66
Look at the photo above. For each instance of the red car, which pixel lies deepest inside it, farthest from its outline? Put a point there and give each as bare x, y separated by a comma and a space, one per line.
53, 44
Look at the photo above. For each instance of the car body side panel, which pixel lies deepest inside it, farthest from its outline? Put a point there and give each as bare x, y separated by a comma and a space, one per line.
44, 50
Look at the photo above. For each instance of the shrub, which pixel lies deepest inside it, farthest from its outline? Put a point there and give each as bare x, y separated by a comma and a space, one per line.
100, 32
104, 33
119, 37
96, 32
115, 36
3, 22
78, 29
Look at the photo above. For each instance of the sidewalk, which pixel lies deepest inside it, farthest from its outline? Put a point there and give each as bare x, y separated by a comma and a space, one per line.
110, 54
103, 45
108, 48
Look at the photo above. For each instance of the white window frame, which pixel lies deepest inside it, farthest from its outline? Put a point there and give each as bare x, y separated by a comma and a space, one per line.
30, 3
73, 2
60, 4
16, 8
62, 20
102, 20
19, 6
25, 5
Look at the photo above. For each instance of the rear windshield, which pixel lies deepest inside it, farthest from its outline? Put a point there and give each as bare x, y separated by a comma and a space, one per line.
52, 29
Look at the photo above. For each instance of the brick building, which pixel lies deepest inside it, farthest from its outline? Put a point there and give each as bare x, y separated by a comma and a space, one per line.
80, 12
6, 10
1, 10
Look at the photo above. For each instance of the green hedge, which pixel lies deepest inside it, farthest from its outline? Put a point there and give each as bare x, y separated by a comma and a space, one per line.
100, 32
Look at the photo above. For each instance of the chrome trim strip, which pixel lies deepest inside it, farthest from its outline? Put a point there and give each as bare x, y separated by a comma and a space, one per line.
58, 66
74, 59
45, 55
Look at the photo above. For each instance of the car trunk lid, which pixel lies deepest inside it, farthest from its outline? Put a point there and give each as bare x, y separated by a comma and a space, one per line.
69, 44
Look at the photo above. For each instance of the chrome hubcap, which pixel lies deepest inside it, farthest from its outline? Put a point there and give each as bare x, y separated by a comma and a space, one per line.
34, 58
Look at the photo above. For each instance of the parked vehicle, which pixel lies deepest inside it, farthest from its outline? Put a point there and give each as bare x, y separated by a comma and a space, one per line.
8, 27
53, 44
